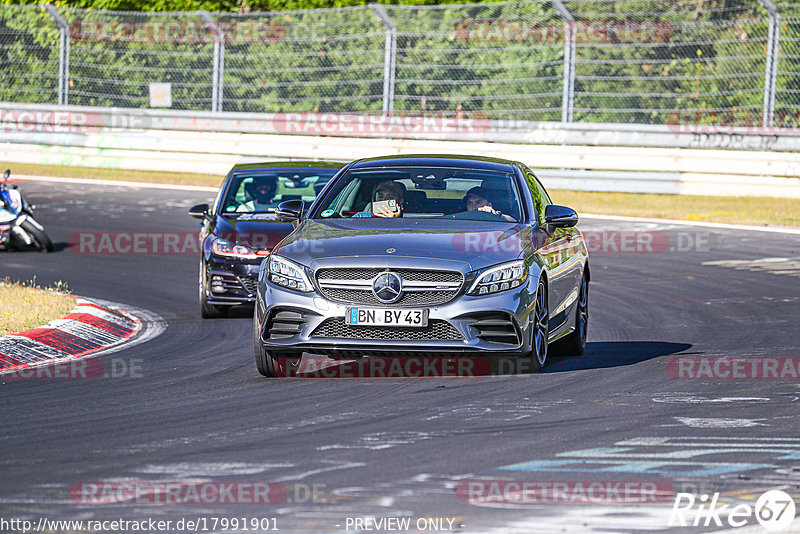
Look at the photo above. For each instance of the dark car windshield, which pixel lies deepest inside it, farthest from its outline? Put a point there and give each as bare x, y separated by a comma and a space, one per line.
261, 191
425, 192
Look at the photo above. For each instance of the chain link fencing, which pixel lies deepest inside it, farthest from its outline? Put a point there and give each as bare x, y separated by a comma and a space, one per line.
787, 95
29, 55
631, 61
314, 60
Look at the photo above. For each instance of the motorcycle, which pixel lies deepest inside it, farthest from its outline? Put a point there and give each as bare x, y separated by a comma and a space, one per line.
18, 228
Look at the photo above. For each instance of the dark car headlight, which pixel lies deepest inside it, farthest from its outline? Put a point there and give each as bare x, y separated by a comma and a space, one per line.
225, 248
500, 278
288, 274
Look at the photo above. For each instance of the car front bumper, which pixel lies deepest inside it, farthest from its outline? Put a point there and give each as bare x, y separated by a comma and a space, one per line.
230, 282
497, 324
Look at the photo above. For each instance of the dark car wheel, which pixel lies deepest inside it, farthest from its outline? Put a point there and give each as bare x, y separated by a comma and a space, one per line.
208, 311
536, 359
271, 364
575, 343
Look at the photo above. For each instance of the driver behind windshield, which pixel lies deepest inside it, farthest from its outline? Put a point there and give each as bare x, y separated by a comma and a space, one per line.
261, 191
477, 199
387, 190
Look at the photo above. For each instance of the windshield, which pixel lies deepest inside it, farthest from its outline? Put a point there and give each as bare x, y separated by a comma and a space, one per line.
423, 192
262, 191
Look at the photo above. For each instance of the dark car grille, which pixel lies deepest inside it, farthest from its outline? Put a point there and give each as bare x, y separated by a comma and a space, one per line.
250, 283
352, 286
437, 330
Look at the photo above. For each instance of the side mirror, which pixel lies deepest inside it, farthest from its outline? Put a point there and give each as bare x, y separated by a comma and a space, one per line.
290, 211
199, 212
6, 174
560, 216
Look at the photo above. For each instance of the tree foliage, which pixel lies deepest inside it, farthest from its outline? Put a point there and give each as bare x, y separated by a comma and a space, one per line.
643, 61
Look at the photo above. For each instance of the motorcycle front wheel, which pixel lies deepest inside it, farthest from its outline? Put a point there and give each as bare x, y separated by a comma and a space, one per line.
40, 239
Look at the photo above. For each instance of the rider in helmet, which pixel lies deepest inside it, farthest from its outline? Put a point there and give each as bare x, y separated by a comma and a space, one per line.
261, 190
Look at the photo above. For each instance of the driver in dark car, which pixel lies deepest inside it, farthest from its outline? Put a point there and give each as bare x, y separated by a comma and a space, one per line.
477, 199
261, 190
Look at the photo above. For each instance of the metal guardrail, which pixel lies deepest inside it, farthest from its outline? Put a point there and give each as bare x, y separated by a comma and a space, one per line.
572, 156
30, 118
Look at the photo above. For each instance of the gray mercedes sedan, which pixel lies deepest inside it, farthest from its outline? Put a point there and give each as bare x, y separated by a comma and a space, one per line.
451, 256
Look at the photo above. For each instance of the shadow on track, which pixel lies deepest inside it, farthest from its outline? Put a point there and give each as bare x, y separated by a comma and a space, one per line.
602, 354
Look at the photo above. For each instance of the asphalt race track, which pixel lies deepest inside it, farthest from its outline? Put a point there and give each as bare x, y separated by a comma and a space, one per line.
195, 409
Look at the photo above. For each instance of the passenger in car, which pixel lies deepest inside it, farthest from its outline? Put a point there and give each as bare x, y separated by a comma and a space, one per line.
387, 190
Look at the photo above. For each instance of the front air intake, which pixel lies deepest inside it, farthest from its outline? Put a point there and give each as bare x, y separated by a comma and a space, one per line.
284, 324
495, 327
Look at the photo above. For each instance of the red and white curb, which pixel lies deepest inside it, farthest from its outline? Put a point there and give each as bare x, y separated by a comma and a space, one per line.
92, 327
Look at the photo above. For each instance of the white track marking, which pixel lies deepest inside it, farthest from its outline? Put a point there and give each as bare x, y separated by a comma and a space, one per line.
719, 422
785, 266
776, 230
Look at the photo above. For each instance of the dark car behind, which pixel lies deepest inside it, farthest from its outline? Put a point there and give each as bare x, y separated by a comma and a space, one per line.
236, 237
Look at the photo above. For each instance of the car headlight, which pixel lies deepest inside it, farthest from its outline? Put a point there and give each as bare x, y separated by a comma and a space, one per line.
288, 274
222, 247
501, 278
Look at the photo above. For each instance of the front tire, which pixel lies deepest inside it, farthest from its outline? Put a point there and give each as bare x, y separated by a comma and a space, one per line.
269, 363
536, 359
207, 310
40, 239
575, 343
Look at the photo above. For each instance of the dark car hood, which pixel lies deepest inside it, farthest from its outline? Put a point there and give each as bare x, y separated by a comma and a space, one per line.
465, 245
259, 231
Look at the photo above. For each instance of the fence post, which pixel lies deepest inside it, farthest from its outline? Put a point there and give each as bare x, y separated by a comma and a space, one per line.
63, 54
218, 68
389, 57
771, 68
570, 41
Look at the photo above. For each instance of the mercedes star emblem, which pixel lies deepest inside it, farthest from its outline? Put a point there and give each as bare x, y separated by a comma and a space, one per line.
387, 287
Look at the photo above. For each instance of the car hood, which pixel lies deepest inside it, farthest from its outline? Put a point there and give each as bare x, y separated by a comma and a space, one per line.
258, 231
461, 245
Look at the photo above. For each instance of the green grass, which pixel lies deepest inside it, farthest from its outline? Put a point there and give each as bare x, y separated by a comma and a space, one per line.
158, 177
25, 305
731, 210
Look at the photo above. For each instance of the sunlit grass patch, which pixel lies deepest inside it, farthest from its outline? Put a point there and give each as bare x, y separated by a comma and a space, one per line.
26, 305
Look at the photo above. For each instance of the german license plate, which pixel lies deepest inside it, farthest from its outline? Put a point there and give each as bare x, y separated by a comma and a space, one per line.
386, 317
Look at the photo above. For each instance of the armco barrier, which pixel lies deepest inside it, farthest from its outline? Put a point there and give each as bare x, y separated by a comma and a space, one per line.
609, 157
